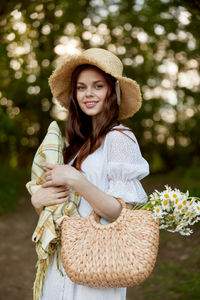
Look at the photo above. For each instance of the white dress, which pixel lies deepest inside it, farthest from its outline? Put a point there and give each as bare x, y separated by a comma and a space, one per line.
116, 168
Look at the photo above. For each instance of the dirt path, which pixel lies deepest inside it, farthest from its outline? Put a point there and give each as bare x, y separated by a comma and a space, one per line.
17, 254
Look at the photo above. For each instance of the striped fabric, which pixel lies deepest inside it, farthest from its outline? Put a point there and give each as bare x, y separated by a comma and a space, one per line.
47, 232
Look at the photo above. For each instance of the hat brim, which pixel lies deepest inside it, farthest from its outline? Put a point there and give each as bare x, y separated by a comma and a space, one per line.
60, 84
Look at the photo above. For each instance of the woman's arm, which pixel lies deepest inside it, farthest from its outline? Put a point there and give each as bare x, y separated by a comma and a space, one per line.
103, 204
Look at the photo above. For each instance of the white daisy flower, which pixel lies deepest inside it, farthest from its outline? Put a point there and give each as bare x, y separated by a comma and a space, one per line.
153, 198
165, 195
178, 208
188, 214
176, 201
166, 204
184, 202
191, 202
163, 226
179, 227
192, 222
175, 196
197, 208
158, 211
168, 188
187, 193
184, 196
186, 231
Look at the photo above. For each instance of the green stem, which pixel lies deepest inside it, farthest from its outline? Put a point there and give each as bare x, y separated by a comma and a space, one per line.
196, 198
143, 206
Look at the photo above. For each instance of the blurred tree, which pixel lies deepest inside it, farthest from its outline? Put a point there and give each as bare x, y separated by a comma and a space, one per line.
158, 42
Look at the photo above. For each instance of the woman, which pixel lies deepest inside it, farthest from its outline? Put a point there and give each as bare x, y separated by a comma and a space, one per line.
103, 160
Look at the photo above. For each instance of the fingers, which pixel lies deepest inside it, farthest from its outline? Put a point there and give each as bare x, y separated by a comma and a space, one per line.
59, 201
50, 196
48, 184
61, 188
57, 189
47, 165
63, 194
48, 176
49, 180
62, 200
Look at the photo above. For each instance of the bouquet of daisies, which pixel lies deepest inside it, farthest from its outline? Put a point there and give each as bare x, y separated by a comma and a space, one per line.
175, 210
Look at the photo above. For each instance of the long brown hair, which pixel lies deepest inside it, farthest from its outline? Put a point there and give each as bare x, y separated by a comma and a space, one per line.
83, 136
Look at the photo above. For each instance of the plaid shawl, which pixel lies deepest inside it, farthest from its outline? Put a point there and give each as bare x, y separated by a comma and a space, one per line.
47, 232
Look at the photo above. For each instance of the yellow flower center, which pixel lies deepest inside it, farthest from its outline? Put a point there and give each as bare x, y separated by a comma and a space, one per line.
174, 196
165, 202
198, 207
166, 195
184, 202
188, 213
176, 201
180, 206
158, 210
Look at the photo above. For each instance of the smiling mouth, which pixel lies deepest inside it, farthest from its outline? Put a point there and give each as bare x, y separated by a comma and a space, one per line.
90, 104
93, 102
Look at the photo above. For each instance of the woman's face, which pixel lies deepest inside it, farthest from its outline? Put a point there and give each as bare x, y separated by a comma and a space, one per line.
91, 91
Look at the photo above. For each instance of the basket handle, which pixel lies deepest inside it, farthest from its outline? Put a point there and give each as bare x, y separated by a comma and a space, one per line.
123, 204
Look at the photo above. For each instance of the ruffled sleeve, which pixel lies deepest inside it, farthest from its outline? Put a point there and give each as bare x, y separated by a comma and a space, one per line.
125, 167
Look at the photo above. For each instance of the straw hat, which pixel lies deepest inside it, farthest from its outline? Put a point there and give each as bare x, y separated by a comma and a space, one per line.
60, 80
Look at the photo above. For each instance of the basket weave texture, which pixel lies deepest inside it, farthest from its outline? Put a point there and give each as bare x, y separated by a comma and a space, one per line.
120, 254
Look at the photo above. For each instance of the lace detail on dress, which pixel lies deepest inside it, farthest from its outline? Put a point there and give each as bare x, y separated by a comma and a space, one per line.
125, 167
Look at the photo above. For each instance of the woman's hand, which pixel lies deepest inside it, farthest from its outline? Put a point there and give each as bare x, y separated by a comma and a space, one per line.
57, 175
49, 196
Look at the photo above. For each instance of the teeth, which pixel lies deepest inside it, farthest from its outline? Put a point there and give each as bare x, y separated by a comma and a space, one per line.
91, 102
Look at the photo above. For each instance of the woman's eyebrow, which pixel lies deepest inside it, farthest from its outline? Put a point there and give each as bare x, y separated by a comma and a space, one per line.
98, 81
79, 82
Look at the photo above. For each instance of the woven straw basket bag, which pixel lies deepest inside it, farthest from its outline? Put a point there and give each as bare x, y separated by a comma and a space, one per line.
120, 254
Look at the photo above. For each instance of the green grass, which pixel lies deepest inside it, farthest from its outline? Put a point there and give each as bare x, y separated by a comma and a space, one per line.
175, 281
172, 281
176, 275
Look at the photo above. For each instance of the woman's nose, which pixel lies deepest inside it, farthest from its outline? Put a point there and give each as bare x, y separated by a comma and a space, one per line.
89, 91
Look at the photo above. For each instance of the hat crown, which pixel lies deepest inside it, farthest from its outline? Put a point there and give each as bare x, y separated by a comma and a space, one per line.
110, 62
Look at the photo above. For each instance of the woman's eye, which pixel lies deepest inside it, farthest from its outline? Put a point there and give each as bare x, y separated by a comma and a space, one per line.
80, 88
99, 86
